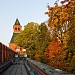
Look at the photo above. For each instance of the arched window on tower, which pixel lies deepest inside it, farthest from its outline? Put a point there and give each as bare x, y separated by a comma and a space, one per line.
18, 29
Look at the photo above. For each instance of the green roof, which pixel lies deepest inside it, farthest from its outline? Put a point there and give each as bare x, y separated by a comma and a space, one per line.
13, 36
17, 22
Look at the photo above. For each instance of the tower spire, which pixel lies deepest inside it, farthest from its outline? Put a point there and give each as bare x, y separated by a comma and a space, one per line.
17, 22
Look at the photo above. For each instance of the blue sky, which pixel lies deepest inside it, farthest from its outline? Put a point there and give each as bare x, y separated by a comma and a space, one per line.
25, 10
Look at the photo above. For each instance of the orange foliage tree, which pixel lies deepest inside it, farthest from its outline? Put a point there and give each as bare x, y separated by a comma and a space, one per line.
54, 55
37, 57
57, 16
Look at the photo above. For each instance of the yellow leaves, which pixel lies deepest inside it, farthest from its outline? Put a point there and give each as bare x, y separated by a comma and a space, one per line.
55, 10
56, 21
49, 13
57, 16
73, 57
37, 57
67, 64
61, 13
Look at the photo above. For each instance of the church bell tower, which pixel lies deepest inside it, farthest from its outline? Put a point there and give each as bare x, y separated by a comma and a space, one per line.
17, 27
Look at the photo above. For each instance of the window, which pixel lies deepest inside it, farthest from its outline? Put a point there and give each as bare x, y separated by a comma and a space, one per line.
15, 28
19, 29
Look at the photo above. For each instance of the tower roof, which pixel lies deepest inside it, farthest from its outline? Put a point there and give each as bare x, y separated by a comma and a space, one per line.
17, 22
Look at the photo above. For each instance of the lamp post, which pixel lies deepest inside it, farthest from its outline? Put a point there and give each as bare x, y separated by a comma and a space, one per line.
17, 51
24, 51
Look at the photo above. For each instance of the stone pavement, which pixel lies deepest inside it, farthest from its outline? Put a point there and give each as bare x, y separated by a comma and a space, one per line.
17, 68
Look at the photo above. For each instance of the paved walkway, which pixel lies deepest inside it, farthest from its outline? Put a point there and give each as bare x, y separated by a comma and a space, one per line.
18, 68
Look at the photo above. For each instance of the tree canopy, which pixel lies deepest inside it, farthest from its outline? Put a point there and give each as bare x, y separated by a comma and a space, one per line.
34, 38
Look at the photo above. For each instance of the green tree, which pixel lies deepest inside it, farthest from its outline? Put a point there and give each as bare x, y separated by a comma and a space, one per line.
44, 38
34, 38
28, 37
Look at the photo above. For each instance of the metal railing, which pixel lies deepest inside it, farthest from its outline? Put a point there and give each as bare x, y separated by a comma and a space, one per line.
5, 66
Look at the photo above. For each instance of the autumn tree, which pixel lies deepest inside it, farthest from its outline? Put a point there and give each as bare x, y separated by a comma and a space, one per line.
61, 17
58, 18
69, 39
54, 55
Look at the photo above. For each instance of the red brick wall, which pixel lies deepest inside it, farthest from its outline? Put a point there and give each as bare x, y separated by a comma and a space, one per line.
14, 47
